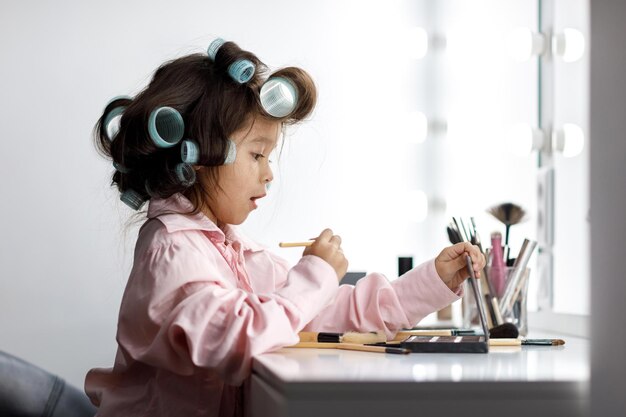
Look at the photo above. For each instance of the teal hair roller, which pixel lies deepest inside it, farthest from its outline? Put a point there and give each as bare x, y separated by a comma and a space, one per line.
132, 199
118, 98
214, 47
185, 174
279, 96
231, 153
117, 111
241, 70
165, 127
189, 152
121, 168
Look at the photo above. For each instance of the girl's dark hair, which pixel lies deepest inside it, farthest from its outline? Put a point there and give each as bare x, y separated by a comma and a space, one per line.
213, 107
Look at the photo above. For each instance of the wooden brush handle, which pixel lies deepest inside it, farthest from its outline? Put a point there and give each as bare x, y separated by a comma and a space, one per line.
505, 342
350, 346
314, 345
295, 244
309, 336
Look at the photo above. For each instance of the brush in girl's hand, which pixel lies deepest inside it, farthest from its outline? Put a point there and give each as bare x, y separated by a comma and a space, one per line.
348, 337
295, 244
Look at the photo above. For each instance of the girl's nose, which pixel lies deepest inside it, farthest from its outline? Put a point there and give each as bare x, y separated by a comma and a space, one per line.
268, 176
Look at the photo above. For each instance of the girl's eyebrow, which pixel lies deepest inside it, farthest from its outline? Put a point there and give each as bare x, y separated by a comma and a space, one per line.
261, 139
264, 140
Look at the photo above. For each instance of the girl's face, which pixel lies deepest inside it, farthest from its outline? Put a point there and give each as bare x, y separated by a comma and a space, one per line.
243, 182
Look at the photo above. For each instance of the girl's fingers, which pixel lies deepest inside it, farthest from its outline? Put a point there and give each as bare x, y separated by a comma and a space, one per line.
326, 235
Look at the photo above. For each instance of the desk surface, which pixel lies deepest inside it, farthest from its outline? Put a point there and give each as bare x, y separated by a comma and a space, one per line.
526, 380
516, 364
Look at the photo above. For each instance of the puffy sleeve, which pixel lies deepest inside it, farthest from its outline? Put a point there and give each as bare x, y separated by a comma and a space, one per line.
179, 314
374, 303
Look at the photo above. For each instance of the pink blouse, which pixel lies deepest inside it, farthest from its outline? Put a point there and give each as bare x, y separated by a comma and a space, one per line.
201, 302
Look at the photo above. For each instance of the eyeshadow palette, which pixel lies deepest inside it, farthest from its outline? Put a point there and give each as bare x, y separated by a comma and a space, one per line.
452, 344
446, 344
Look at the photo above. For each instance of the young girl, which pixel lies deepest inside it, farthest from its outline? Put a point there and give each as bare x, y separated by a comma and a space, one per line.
202, 299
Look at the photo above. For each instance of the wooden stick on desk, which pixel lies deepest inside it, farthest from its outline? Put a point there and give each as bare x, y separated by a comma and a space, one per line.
351, 346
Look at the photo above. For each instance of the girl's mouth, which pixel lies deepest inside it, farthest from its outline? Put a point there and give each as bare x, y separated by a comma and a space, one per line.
254, 199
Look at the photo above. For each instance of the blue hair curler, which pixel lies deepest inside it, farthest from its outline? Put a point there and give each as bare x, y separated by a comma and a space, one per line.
231, 153
185, 174
132, 199
117, 98
241, 70
189, 152
116, 111
121, 168
279, 96
165, 127
214, 47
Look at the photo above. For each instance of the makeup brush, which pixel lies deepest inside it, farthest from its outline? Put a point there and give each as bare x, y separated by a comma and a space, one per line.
508, 214
295, 244
456, 236
351, 346
504, 331
498, 267
347, 337
526, 342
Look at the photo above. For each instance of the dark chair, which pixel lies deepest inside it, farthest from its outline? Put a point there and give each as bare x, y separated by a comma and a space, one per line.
29, 391
352, 277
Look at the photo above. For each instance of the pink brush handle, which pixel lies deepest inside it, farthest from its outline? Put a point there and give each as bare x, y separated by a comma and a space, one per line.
498, 268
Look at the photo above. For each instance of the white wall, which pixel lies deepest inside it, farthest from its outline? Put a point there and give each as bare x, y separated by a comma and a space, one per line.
65, 249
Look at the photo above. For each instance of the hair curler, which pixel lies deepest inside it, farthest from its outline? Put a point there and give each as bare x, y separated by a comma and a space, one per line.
132, 199
165, 127
241, 70
279, 96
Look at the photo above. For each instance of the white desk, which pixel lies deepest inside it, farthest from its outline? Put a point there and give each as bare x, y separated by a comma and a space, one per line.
528, 381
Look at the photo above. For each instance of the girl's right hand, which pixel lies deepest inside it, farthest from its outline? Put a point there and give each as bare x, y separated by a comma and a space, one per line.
328, 247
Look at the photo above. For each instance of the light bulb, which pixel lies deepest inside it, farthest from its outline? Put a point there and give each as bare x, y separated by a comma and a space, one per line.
569, 140
522, 139
570, 45
416, 40
522, 44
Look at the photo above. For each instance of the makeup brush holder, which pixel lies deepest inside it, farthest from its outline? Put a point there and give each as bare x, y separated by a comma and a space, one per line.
517, 314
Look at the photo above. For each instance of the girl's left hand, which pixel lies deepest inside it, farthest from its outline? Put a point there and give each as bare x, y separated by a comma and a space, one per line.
451, 264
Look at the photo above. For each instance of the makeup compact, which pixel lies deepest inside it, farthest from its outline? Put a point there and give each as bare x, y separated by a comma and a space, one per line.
453, 344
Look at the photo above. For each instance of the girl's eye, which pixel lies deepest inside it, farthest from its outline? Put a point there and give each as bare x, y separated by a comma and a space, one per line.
258, 156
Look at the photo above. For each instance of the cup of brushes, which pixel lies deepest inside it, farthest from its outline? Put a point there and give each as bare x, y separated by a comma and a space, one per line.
504, 288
